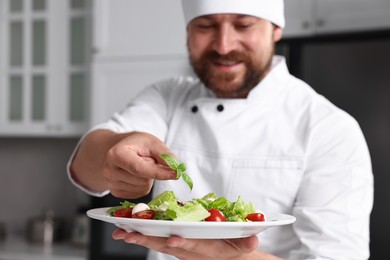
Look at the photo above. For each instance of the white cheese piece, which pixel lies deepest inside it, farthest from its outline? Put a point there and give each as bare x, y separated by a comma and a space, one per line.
140, 207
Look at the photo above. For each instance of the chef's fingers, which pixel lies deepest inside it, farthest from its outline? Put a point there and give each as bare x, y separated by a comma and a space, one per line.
115, 176
147, 167
229, 247
130, 191
119, 234
137, 161
190, 248
158, 244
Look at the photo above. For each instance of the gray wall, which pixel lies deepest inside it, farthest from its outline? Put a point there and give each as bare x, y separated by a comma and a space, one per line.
33, 179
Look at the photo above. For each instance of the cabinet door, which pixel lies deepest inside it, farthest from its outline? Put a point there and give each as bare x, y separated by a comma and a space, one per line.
138, 28
24, 67
352, 15
299, 18
70, 52
38, 75
115, 84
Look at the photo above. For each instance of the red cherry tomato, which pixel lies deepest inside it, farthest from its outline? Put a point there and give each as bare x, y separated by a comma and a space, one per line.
255, 217
145, 214
123, 212
215, 215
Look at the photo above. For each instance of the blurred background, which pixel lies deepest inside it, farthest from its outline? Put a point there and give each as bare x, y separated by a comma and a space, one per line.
66, 65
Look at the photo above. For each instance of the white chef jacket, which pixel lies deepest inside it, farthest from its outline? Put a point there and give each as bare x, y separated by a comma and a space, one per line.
285, 148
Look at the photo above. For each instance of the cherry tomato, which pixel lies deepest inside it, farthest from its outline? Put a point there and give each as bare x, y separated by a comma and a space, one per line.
255, 217
123, 212
145, 214
215, 215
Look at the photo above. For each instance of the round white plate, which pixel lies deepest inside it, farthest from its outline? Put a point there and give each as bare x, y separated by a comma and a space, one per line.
200, 230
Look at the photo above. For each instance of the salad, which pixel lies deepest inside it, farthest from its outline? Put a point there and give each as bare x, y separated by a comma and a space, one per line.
166, 206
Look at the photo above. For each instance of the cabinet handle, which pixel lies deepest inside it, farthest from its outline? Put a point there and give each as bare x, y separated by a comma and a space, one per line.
320, 23
305, 25
54, 128
95, 50
58, 128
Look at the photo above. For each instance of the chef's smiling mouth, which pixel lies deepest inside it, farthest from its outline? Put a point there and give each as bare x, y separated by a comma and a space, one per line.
226, 65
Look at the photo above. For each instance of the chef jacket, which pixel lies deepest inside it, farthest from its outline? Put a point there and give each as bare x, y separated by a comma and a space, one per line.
285, 148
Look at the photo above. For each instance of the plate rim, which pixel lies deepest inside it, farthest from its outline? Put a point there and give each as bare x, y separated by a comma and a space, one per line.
286, 219
190, 229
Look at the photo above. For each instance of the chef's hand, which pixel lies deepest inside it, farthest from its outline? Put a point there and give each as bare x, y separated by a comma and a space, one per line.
124, 163
133, 163
193, 249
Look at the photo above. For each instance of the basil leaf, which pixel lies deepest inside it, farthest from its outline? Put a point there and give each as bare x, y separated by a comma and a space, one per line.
170, 160
179, 168
182, 167
187, 179
178, 173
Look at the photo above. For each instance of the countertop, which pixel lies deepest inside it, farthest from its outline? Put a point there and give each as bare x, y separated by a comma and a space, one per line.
17, 248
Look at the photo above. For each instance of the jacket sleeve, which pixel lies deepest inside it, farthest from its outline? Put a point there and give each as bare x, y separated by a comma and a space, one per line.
147, 113
335, 198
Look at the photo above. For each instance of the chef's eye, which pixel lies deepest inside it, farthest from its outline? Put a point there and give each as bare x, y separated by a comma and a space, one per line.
243, 26
205, 26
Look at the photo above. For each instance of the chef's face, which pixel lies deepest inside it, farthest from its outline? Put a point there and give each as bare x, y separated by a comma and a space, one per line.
231, 53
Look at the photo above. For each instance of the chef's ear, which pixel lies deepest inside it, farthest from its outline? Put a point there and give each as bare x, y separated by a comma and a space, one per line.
278, 32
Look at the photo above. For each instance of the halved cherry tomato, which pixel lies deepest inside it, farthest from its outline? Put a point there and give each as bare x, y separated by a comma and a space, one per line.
215, 215
145, 214
255, 217
123, 212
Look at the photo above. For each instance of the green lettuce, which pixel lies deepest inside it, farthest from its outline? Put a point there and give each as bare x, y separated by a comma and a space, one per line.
167, 207
168, 202
233, 211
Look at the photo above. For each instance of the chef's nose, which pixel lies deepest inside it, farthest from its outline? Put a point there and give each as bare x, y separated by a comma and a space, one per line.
225, 39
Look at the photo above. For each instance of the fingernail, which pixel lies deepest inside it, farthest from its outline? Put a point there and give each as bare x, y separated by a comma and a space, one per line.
117, 235
131, 241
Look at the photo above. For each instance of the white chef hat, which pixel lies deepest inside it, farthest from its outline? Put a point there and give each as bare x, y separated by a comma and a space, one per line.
271, 10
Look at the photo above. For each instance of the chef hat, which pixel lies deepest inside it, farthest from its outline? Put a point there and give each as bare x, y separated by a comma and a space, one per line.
271, 10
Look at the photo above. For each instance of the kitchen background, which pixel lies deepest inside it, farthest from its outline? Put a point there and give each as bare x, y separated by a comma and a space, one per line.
66, 65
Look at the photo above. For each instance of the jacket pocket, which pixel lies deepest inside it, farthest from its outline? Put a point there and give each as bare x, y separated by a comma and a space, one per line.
271, 184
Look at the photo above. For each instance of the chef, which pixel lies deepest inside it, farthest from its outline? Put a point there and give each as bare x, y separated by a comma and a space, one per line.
244, 126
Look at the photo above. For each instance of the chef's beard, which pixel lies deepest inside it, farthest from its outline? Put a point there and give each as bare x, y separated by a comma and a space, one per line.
218, 81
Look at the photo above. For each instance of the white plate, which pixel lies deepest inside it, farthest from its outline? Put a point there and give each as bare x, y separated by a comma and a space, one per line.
204, 230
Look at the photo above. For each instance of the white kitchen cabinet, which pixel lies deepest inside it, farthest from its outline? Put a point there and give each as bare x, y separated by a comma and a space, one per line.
138, 29
135, 43
299, 17
44, 67
352, 15
314, 17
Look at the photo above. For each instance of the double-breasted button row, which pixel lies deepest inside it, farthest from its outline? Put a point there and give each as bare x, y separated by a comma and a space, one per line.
219, 108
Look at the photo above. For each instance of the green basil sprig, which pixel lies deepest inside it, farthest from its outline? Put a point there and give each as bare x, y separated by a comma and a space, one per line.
180, 169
